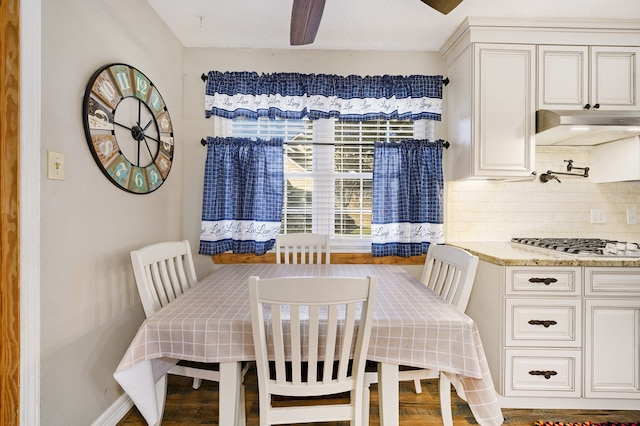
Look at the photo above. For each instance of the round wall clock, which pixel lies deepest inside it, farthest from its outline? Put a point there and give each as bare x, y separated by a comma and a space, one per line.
128, 128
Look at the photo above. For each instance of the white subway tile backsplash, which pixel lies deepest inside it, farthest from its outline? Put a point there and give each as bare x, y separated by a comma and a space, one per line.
498, 211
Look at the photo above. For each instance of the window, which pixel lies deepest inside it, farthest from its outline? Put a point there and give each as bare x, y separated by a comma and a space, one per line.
328, 167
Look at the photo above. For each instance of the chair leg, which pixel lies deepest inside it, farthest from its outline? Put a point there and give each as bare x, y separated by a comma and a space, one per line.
161, 396
366, 400
245, 368
242, 415
418, 385
196, 383
445, 400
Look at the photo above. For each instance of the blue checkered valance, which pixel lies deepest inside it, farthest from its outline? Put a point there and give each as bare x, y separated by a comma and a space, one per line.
315, 96
408, 189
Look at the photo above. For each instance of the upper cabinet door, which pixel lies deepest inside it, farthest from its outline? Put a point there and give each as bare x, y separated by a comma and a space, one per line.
563, 79
503, 110
491, 111
615, 77
587, 78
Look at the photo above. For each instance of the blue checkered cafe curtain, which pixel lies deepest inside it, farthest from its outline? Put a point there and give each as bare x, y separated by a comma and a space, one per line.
242, 199
407, 197
233, 220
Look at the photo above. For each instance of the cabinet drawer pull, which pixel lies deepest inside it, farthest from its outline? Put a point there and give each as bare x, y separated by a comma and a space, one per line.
546, 281
547, 374
545, 323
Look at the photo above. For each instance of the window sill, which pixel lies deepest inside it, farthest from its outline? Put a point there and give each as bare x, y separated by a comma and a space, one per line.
336, 258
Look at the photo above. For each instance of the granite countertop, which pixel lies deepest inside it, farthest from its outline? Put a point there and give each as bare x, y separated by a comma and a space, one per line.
509, 254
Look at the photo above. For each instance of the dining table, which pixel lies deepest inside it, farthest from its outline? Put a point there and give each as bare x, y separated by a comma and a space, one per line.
211, 323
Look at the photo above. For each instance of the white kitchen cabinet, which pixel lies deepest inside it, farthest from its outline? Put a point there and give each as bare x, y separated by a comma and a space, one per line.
560, 336
583, 77
503, 70
530, 321
542, 331
612, 340
491, 110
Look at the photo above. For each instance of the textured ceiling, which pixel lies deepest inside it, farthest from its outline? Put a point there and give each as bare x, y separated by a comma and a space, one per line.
359, 24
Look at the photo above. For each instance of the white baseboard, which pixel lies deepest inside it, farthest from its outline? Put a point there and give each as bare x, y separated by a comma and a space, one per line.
115, 412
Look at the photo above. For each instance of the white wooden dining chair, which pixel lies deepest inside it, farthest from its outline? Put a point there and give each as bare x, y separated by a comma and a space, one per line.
311, 336
164, 271
450, 272
303, 248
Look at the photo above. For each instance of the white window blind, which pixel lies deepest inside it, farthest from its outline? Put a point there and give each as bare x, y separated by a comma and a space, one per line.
328, 166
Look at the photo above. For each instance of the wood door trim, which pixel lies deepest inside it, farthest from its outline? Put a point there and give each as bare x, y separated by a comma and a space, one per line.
10, 212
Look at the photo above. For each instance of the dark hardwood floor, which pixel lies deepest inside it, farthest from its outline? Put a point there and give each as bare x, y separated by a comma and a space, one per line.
186, 406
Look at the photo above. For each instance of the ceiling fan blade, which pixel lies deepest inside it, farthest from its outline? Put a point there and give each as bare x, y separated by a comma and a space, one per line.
442, 6
305, 21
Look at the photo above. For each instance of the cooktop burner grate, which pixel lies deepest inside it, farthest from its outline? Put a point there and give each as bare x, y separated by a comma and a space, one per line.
583, 246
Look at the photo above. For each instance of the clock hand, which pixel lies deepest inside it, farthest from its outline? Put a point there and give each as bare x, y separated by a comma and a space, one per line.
139, 110
145, 139
121, 125
152, 138
148, 149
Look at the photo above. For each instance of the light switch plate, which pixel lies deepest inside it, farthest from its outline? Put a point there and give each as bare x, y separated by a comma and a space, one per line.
598, 216
632, 217
55, 165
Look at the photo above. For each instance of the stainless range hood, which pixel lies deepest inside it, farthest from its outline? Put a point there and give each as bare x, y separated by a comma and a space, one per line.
593, 127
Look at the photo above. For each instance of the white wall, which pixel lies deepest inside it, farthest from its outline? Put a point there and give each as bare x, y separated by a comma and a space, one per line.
89, 304
199, 61
498, 211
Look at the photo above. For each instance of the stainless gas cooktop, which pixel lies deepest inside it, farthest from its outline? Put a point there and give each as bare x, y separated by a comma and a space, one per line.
583, 247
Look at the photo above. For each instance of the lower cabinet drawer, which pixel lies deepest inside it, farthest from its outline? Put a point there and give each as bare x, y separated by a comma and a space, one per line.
544, 281
602, 281
543, 322
543, 372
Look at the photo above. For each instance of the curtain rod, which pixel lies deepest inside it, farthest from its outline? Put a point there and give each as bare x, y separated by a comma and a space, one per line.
445, 144
445, 80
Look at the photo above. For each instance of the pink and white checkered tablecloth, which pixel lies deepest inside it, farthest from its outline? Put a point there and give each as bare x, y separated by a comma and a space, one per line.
412, 326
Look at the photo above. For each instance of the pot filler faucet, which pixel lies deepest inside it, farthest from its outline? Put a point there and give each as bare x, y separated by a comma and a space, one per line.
551, 175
